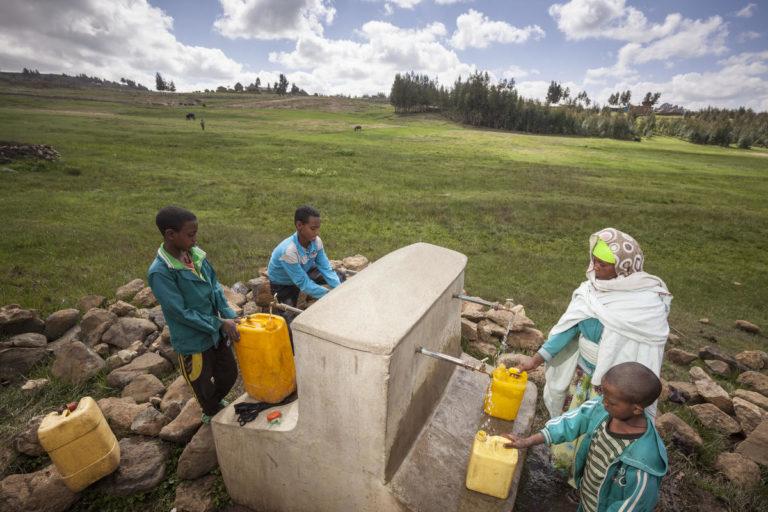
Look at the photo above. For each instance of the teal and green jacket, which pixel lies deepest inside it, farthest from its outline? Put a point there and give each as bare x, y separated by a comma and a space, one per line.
191, 300
633, 479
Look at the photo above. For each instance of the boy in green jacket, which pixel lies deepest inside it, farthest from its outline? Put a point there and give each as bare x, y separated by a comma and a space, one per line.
621, 460
195, 309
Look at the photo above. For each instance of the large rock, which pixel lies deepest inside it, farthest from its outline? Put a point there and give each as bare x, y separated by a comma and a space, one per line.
685, 436
472, 310
15, 362
15, 320
679, 356
717, 367
122, 308
127, 291
95, 323
146, 363
755, 381
195, 496
156, 315
712, 417
502, 317
752, 359
41, 491
710, 352
120, 358
755, 447
711, 391
199, 456
468, 329
259, 286
233, 297
148, 422
127, 330
26, 340
179, 392
145, 298
162, 346
120, 412
682, 392
750, 396
529, 339
76, 363
142, 387
355, 263
25, 441
142, 467
60, 322
89, 302
184, 426
485, 348
65, 339
746, 326
487, 329
739, 470
748, 414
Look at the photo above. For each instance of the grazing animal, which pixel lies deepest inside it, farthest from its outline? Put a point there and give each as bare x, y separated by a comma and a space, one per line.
190, 116
358, 128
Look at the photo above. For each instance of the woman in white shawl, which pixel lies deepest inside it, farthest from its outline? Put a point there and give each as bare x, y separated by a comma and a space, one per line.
618, 314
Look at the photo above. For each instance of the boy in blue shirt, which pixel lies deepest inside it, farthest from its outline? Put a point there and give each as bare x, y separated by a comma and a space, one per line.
621, 461
195, 309
299, 263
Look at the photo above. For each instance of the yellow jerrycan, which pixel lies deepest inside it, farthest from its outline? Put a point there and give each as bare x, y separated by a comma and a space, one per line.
265, 358
80, 443
491, 466
505, 392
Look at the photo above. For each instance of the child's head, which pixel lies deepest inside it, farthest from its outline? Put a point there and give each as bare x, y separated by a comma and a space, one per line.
178, 227
307, 222
628, 388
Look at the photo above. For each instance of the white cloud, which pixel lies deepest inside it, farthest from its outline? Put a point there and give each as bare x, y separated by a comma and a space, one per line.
612, 19
747, 36
475, 30
747, 11
450, 2
403, 4
273, 19
120, 38
517, 72
350, 67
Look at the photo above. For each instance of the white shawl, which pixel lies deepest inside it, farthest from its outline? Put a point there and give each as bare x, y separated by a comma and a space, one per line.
633, 310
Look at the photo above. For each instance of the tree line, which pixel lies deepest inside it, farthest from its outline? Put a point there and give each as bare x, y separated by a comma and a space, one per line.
478, 102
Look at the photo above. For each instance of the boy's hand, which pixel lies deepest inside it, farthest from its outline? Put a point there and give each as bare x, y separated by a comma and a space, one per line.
229, 327
519, 442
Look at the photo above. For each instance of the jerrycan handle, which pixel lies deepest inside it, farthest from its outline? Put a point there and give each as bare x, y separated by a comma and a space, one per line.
516, 373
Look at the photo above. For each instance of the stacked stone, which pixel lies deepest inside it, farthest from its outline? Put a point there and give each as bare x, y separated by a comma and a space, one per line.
741, 414
129, 339
14, 150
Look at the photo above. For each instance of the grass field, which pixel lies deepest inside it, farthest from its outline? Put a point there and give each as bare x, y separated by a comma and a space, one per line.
520, 206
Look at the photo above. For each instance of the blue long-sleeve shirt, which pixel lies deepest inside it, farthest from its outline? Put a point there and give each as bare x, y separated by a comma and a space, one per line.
591, 328
290, 262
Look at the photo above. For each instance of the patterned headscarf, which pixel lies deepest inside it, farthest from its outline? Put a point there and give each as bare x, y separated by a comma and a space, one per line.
629, 256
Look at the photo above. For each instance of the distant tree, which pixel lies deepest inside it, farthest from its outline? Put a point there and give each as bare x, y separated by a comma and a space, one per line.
257, 84
583, 98
651, 98
238, 87
613, 99
269, 88
172, 86
160, 84
626, 96
282, 87
554, 93
295, 89
221, 88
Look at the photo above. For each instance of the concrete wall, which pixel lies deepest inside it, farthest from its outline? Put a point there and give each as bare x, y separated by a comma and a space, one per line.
364, 395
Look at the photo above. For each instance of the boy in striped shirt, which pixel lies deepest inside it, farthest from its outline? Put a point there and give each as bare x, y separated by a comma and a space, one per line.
621, 460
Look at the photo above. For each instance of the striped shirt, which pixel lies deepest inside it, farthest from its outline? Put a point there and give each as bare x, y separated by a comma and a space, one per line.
606, 447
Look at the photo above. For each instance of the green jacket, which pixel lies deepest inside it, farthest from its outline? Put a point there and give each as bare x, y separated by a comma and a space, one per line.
191, 303
633, 479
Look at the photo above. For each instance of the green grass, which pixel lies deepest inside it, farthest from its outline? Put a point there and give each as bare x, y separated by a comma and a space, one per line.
520, 206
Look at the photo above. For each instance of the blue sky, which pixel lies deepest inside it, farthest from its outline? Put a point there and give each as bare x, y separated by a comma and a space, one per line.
697, 53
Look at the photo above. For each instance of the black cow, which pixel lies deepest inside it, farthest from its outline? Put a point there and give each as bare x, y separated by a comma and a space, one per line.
190, 116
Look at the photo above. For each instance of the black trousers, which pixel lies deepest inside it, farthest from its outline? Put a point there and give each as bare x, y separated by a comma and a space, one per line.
210, 374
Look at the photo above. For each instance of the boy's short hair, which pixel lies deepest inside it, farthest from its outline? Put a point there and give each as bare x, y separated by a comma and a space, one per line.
636, 382
173, 217
303, 213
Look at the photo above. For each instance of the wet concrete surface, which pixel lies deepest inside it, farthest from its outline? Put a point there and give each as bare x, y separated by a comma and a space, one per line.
541, 488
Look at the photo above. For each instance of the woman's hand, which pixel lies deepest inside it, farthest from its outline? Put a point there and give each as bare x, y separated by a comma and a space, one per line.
531, 363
